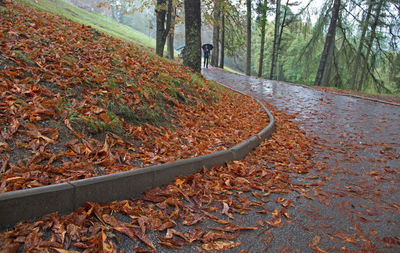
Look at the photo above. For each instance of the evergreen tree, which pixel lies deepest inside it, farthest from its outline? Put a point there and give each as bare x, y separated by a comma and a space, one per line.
329, 43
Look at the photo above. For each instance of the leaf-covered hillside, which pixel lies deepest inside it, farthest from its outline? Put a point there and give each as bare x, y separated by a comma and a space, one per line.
76, 103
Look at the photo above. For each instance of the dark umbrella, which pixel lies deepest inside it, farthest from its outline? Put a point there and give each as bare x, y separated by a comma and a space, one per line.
209, 46
180, 47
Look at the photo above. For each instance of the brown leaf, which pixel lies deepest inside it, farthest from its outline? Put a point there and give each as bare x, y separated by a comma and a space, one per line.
68, 124
4, 147
275, 222
192, 219
11, 129
172, 243
144, 238
9, 248
285, 213
226, 209
233, 228
141, 250
212, 236
58, 250
220, 245
165, 225
316, 240
216, 219
107, 247
287, 203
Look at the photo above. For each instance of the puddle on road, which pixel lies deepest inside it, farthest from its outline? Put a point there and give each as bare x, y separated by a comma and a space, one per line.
262, 87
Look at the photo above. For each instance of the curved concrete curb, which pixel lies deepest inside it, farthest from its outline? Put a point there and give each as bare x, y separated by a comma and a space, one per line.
65, 197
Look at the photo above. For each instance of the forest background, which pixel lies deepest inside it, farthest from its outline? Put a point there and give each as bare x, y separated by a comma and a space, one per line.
288, 38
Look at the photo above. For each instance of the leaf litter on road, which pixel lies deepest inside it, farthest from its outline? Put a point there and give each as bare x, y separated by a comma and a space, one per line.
354, 178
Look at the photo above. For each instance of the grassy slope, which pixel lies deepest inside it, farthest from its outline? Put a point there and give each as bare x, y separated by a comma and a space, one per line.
95, 20
76, 103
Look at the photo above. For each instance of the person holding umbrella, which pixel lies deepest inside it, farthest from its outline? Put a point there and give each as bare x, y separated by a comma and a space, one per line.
206, 52
181, 50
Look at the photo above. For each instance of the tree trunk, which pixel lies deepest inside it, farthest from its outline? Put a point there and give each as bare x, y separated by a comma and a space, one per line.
170, 46
360, 45
278, 45
248, 54
192, 56
276, 34
329, 42
117, 10
115, 13
170, 41
370, 43
263, 21
163, 26
221, 64
280, 75
328, 67
215, 53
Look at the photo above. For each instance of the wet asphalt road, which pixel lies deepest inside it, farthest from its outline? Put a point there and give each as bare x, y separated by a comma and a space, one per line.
357, 207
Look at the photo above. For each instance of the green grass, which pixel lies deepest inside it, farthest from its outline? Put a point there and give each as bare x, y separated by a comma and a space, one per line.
233, 71
95, 20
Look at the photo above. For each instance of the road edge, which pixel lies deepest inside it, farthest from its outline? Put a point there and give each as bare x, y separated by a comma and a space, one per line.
66, 197
313, 87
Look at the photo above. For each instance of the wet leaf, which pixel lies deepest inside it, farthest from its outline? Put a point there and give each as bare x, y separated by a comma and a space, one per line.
220, 245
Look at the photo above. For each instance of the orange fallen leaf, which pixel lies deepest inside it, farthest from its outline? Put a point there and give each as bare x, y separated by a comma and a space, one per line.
220, 245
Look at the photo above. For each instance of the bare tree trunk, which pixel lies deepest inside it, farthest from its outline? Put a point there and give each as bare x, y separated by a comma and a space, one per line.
215, 53
170, 46
329, 42
171, 35
263, 21
221, 64
278, 46
192, 56
163, 26
360, 45
248, 54
370, 43
275, 45
280, 75
328, 67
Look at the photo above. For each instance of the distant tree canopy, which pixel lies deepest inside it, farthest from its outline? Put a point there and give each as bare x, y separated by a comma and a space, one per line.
349, 44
